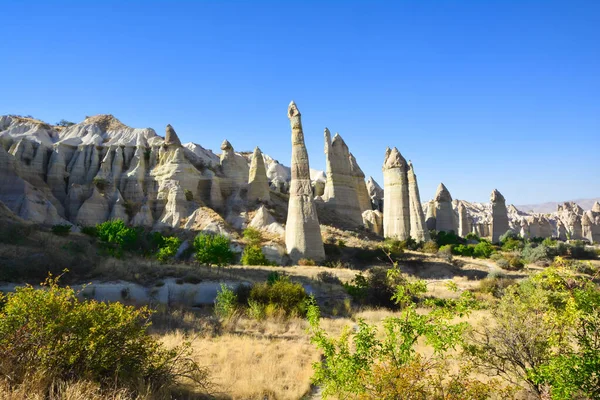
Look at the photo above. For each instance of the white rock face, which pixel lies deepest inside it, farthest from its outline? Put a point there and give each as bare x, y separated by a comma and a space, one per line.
430, 222
418, 229
396, 210
340, 189
444, 214
235, 169
375, 194
373, 220
207, 157
463, 220
264, 221
94, 210
364, 200
258, 184
204, 219
302, 231
499, 216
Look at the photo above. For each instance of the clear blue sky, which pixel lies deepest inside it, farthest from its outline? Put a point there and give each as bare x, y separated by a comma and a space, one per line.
478, 94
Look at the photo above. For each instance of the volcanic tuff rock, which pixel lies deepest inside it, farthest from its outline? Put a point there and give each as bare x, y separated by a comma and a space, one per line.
340, 188
302, 232
396, 210
444, 214
499, 216
418, 229
258, 184
373, 221
375, 193
463, 220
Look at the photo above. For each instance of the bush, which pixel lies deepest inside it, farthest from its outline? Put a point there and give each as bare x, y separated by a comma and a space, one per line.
65, 123
89, 230
578, 251
328, 277
430, 247
253, 236
117, 237
495, 285
100, 183
472, 236
48, 334
168, 248
483, 249
61, 230
533, 253
502, 263
511, 244
253, 255
306, 262
213, 250
509, 234
376, 288
445, 252
444, 238
282, 295
226, 302
463, 250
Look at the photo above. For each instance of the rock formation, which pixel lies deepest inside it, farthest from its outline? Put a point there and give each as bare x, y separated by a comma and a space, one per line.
302, 231
374, 221
444, 214
258, 184
499, 216
396, 210
418, 229
340, 189
235, 168
375, 193
463, 220
430, 216
264, 221
364, 201
171, 138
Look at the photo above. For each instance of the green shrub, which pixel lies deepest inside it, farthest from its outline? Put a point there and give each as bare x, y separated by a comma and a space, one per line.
226, 302
48, 334
495, 285
533, 253
483, 249
578, 251
511, 244
548, 242
328, 277
213, 249
445, 252
472, 236
61, 230
376, 288
253, 255
283, 295
509, 234
430, 247
253, 236
168, 248
100, 183
503, 263
117, 237
463, 250
89, 230
444, 238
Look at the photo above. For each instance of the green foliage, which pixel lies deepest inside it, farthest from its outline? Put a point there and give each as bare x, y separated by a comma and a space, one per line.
253, 255
253, 236
495, 284
282, 295
511, 244
444, 238
509, 234
65, 123
366, 364
463, 250
377, 288
548, 242
226, 302
533, 253
89, 230
328, 277
168, 248
61, 230
430, 247
578, 251
273, 277
483, 249
49, 334
213, 249
189, 196
116, 237
545, 332
472, 236
445, 252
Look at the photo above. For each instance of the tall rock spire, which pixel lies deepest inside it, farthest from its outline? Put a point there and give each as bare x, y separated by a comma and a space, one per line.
463, 220
499, 216
171, 138
302, 231
396, 202
340, 187
258, 184
364, 201
444, 214
418, 230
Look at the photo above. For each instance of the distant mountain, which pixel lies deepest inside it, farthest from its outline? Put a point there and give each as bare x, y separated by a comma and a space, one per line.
549, 207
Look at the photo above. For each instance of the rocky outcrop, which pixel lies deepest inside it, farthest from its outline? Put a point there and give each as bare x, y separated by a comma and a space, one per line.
264, 221
375, 193
258, 184
94, 210
396, 210
430, 216
364, 200
235, 170
463, 220
418, 229
499, 216
586, 228
171, 138
444, 214
302, 231
373, 220
340, 189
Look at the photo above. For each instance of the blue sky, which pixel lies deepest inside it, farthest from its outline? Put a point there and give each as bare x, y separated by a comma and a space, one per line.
478, 94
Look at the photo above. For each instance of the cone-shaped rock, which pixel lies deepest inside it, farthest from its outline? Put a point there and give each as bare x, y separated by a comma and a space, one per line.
586, 228
430, 216
302, 230
596, 207
396, 210
499, 216
171, 138
444, 214
463, 220
364, 201
340, 188
258, 183
375, 193
418, 230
